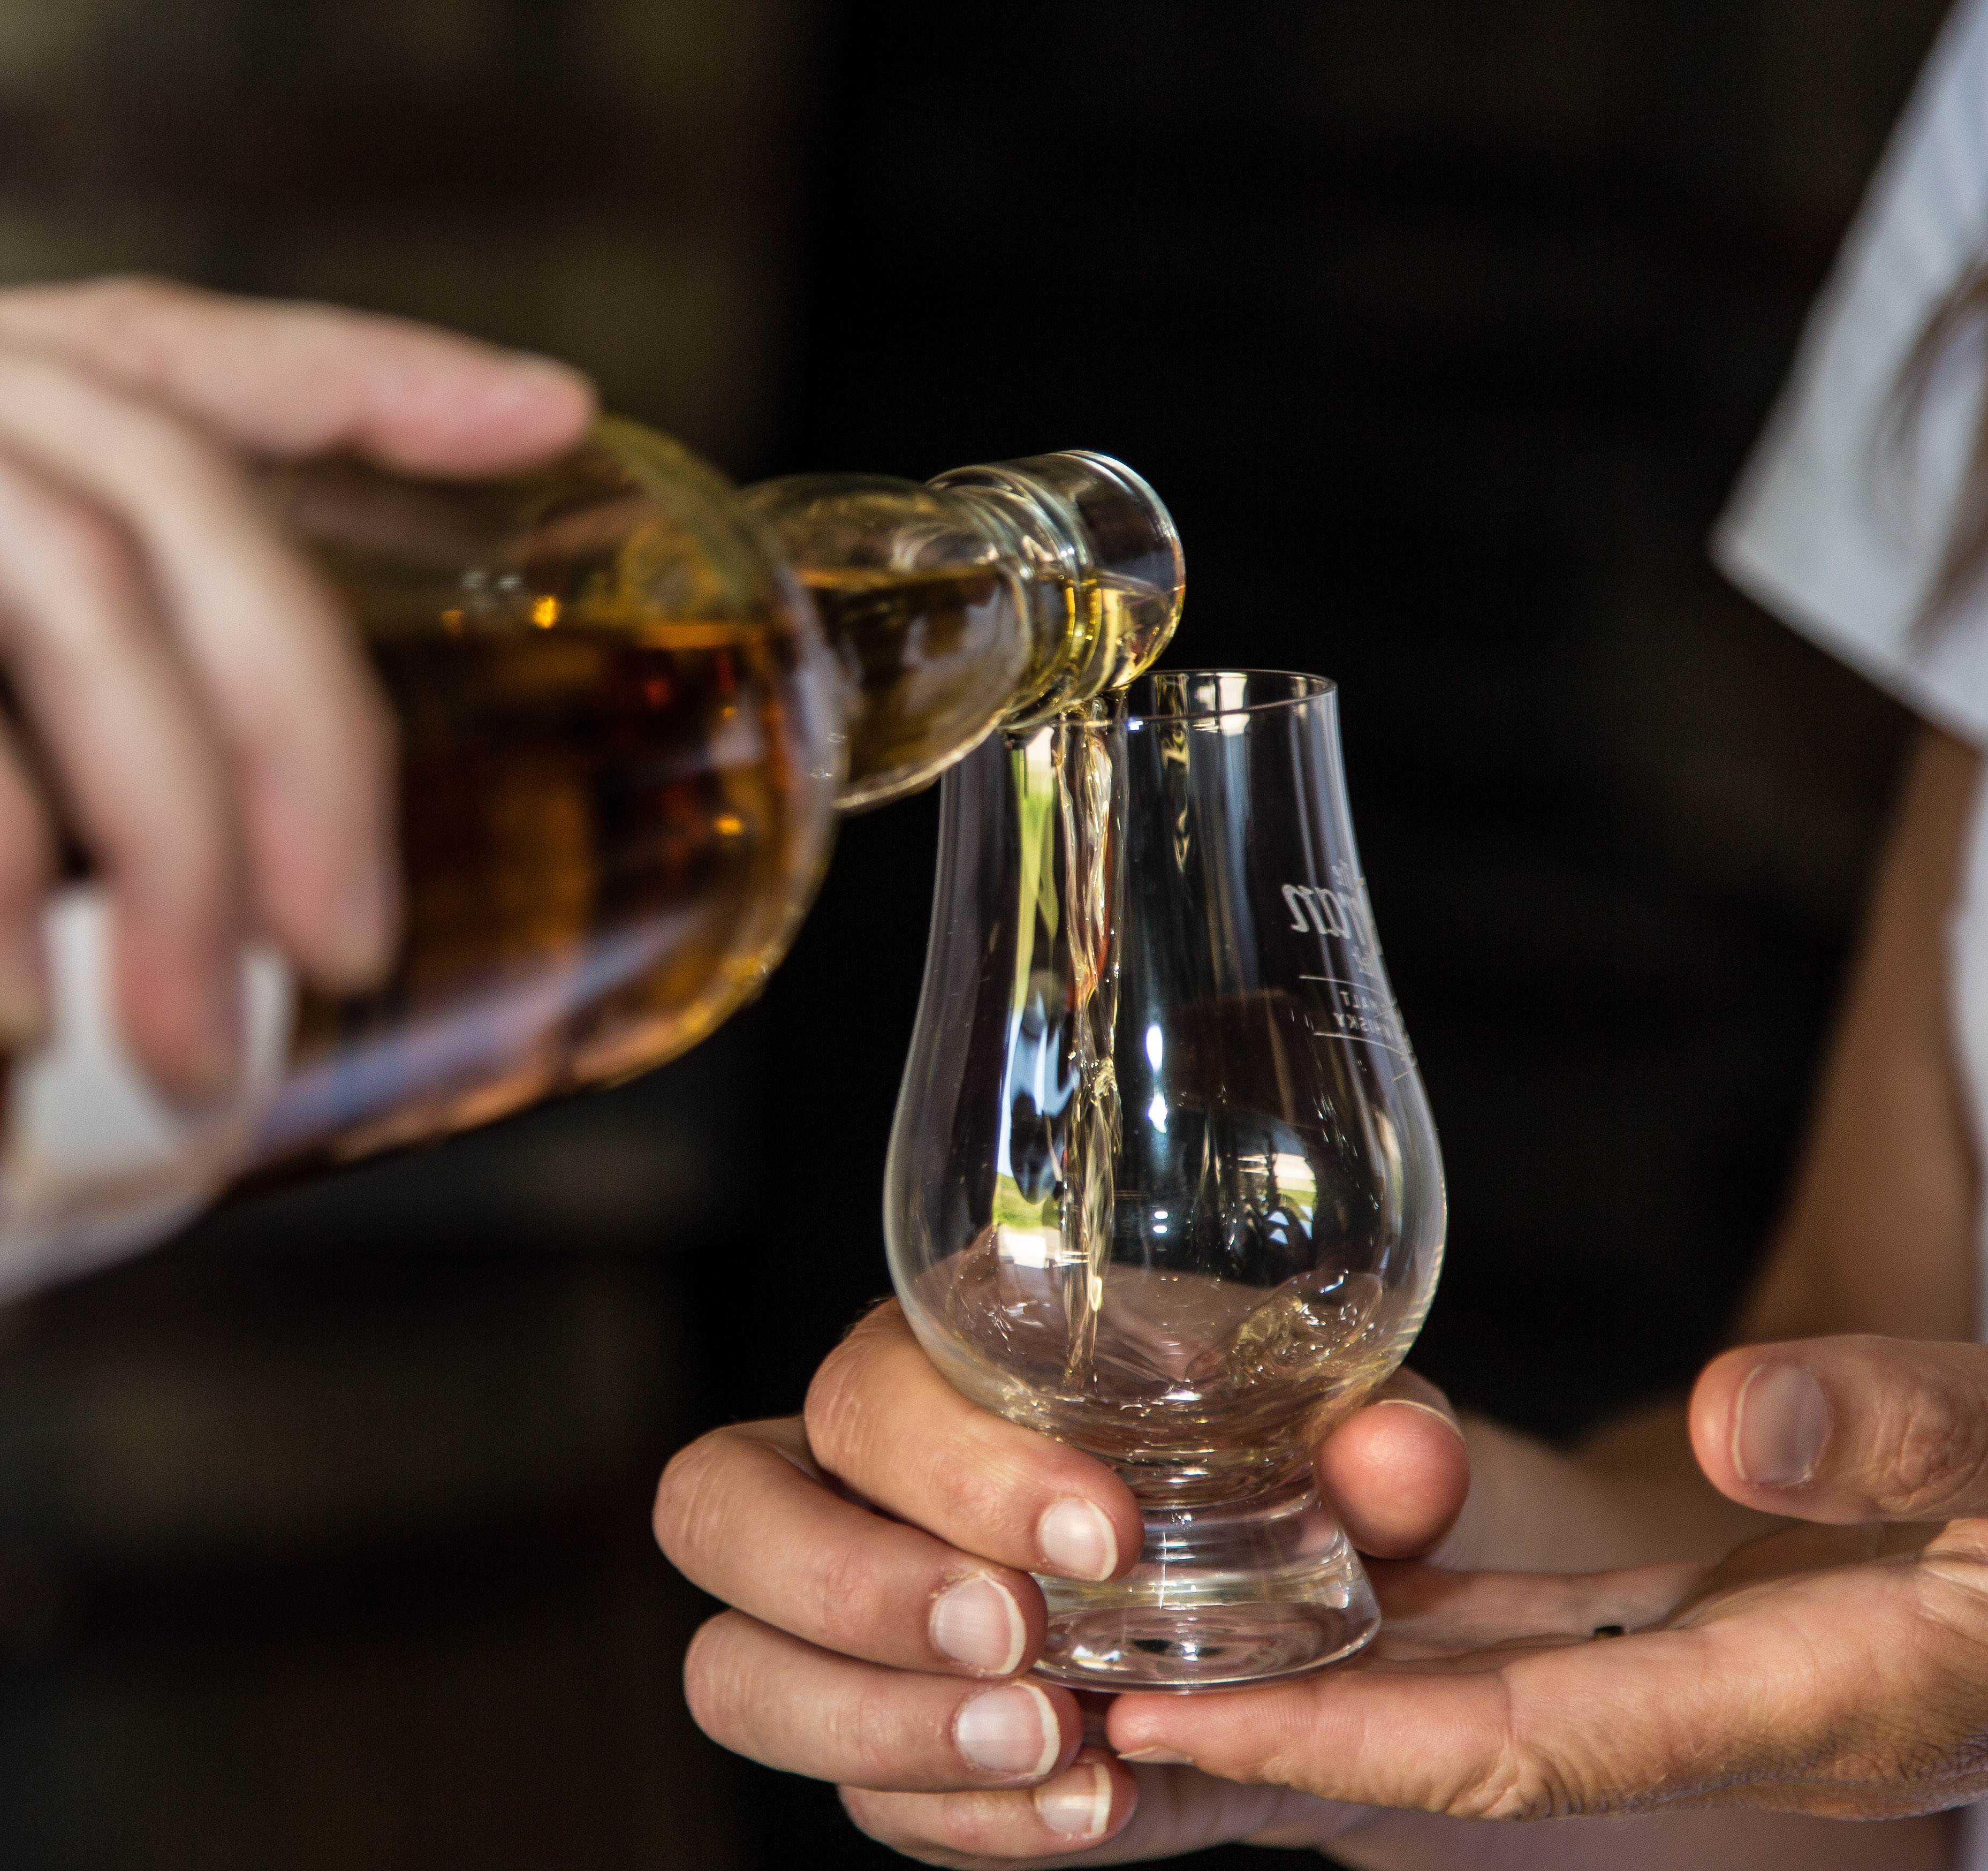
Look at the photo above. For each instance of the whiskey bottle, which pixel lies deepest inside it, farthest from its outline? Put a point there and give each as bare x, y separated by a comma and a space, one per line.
632, 700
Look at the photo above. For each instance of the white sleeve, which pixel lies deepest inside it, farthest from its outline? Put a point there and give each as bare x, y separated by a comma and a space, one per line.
1832, 529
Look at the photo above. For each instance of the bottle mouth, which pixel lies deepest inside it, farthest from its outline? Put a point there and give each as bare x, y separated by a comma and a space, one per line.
1131, 535
1112, 570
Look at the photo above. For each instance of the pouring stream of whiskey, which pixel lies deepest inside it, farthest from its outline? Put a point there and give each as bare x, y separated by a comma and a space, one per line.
1087, 797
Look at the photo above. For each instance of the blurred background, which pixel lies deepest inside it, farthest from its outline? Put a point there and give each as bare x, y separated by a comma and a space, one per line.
1443, 326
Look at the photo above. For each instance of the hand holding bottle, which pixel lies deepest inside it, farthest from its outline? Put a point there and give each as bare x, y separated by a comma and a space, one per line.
208, 729
251, 553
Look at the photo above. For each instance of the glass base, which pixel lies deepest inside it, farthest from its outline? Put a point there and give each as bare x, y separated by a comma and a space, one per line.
1221, 1596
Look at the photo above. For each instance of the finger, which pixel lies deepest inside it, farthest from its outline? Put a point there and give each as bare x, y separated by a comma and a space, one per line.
1063, 1822
738, 1515
1429, 1611
1484, 1746
306, 733
788, 1705
1821, 1693
880, 1417
143, 781
1182, 1810
288, 379
1846, 1430
27, 864
1397, 1470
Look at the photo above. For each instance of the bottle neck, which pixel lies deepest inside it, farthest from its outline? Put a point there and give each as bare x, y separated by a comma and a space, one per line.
1103, 566
990, 596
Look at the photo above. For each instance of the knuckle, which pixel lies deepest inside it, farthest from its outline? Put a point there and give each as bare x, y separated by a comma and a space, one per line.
1519, 1781
164, 452
1939, 1448
847, 1601
130, 323
866, 1733
95, 566
158, 461
840, 1423
965, 1475
971, 1486
987, 1478
1514, 1790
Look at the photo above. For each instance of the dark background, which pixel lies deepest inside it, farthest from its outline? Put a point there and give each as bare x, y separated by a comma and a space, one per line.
1443, 326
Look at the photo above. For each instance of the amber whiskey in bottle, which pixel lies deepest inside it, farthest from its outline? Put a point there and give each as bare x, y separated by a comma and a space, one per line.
632, 700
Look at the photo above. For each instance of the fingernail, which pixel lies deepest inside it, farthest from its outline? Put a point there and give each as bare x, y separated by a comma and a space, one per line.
979, 1624
1427, 1409
1156, 1757
1780, 1425
1076, 1805
1077, 1541
1012, 1729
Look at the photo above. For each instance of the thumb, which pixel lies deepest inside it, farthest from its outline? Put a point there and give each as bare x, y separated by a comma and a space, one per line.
1841, 1430
1397, 1470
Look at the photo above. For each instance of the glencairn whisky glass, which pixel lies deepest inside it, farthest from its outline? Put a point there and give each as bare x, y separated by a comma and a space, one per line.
1164, 1182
